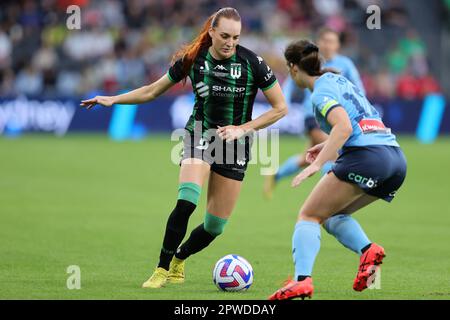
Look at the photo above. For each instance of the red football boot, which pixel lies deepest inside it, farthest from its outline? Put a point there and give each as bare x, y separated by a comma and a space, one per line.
294, 289
368, 265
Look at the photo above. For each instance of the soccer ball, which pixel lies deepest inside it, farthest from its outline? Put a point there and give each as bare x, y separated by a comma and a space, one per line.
233, 273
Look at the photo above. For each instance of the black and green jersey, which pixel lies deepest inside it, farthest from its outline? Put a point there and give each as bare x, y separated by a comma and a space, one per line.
225, 90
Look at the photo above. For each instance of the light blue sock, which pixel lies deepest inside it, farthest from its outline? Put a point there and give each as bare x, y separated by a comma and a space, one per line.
347, 231
305, 247
288, 168
327, 167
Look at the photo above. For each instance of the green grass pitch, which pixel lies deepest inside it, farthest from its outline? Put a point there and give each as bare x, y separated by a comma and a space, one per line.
85, 200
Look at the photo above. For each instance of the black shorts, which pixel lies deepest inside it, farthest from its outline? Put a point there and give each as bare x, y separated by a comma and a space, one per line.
310, 124
227, 159
378, 170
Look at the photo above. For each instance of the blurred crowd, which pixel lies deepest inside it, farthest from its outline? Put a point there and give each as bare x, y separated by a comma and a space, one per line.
125, 44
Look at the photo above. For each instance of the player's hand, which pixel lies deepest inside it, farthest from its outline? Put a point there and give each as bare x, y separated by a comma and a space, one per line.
313, 152
103, 100
302, 176
230, 133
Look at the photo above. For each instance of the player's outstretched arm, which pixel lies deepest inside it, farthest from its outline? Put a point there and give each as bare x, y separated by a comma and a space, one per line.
137, 96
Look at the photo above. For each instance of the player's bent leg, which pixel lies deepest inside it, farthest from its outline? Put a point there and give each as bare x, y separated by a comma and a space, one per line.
194, 170
202, 236
346, 229
175, 231
328, 196
176, 226
360, 203
214, 224
222, 196
373, 256
350, 234
192, 174
384, 168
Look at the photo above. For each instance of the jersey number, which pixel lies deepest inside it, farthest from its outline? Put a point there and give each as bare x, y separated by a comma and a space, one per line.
363, 112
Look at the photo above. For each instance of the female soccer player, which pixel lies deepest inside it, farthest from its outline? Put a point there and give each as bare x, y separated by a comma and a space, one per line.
329, 46
370, 166
225, 79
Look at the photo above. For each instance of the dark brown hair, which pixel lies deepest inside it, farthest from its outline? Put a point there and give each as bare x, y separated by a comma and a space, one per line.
189, 52
305, 55
323, 31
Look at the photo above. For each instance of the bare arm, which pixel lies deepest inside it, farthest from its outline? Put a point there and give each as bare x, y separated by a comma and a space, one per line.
143, 94
279, 109
340, 132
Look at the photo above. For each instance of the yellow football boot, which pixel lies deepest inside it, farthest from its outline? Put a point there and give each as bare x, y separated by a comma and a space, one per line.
157, 280
176, 271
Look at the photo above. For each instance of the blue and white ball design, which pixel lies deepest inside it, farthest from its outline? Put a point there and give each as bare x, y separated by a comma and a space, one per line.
233, 273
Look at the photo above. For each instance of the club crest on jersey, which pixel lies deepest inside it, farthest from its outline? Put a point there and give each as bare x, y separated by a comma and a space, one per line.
235, 70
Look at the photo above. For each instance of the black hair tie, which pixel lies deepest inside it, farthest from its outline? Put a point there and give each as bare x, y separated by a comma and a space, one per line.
310, 48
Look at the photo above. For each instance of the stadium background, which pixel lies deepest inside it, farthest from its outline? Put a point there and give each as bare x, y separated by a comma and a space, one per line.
72, 194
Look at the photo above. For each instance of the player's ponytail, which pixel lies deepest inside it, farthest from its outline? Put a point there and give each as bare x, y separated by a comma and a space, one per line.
305, 55
189, 52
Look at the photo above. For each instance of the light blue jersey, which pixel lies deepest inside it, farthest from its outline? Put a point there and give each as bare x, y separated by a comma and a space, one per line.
332, 90
347, 68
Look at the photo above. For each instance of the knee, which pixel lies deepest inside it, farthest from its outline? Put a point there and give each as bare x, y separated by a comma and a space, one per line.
178, 219
189, 192
188, 196
214, 225
306, 215
182, 210
333, 222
